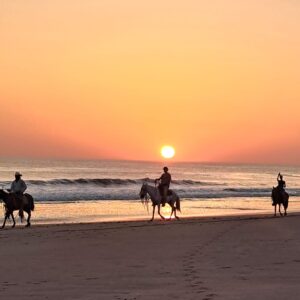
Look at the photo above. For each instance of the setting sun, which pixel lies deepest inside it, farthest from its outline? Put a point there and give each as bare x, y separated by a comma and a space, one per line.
167, 151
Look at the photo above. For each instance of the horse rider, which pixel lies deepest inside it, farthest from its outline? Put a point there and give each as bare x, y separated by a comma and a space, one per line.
281, 184
164, 184
18, 187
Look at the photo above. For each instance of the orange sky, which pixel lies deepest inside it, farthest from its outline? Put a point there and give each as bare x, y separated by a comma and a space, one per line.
218, 80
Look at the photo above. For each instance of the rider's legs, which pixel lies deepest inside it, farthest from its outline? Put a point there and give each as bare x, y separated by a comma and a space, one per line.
163, 190
281, 192
21, 199
164, 195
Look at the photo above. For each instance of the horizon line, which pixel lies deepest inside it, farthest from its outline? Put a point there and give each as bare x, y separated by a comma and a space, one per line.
171, 161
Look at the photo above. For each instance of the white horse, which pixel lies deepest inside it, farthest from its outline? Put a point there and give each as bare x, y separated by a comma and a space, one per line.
172, 199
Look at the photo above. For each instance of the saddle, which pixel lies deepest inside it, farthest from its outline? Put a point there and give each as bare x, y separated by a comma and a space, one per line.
18, 198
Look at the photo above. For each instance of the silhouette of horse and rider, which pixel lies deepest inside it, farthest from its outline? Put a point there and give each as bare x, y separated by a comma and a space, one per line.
162, 194
16, 199
280, 196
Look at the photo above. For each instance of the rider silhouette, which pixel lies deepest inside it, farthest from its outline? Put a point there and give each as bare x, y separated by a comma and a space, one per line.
18, 188
165, 180
281, 183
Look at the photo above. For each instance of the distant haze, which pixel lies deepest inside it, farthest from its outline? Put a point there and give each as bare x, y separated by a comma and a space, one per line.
218, 80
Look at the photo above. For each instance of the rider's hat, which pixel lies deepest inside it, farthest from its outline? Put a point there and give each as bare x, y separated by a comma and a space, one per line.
18, 174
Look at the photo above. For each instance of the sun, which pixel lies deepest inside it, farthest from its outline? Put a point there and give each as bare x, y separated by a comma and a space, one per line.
167, 152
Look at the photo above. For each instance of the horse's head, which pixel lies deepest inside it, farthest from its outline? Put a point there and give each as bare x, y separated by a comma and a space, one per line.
3, 195
143, 191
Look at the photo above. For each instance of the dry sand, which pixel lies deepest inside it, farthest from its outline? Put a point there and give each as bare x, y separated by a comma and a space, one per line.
255, 257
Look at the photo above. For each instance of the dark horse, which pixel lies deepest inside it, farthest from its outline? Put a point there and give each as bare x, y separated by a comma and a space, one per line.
11, 204
279, 198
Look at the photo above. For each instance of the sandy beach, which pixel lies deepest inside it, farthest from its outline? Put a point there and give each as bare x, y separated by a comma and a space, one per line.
241, 257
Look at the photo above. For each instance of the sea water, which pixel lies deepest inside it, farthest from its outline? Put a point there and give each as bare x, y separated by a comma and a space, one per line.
98, 190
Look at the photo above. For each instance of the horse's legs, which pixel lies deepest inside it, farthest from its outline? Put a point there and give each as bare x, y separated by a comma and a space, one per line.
172, 210
285, 205
280, 210
177, 218
275, 210
28, 218
13, 219
5, 218
160, 213
285, 208
153, 211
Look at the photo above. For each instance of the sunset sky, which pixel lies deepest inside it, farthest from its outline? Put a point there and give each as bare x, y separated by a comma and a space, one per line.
219, 80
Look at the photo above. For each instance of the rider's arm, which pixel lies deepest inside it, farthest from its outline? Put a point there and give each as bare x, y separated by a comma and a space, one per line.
24, 187
158, 179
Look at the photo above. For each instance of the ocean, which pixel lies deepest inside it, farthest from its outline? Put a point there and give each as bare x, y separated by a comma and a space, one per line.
109, 185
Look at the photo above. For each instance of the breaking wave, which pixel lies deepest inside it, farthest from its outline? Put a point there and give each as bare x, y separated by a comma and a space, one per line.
108, 182
128, 189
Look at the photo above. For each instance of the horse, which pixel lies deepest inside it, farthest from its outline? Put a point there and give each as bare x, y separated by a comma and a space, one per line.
11, 204
172, 199
280, 198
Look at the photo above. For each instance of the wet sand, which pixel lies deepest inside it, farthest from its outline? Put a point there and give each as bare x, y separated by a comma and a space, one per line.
242, 257
85, 211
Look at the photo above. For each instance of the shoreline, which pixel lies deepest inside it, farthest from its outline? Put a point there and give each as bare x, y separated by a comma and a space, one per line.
133, 210
157, 222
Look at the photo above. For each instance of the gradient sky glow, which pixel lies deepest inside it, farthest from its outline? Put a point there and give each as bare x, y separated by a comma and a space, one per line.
219, 80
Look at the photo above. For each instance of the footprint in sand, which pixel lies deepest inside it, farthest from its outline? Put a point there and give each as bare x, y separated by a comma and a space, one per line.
91, 278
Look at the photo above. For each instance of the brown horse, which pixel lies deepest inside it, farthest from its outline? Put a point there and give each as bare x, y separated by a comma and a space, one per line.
279, 198
11, 204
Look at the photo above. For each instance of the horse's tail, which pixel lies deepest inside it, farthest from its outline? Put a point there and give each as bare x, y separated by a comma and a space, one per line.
178, 203
30, 202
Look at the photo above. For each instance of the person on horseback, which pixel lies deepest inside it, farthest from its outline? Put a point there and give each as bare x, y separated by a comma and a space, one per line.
164, 184
18, 187
279, 195
281, 183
